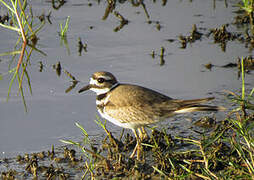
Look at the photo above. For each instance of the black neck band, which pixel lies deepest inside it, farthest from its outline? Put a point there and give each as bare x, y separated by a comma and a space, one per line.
102, 96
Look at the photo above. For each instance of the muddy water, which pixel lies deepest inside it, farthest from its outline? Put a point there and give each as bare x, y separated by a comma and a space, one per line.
52, 112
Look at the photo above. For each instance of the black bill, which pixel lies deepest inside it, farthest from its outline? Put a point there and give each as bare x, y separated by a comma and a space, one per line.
84, 88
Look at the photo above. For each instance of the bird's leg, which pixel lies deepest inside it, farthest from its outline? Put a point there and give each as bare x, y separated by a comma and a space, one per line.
137, 147
134, 152
142, 133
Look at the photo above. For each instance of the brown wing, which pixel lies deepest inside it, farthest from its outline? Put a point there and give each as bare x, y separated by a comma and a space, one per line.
132, 95
136, 103
144, 106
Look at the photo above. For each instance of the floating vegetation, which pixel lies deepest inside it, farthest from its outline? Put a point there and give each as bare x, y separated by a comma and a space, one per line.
206, 122
81, 46
195, 35
58, 68
241, 18
209, 66
70, 75
161, 55
153, 54
171, 40
109, 9
247, 6
248, 63
74, 81
4, 19
141, 3
164, 2
111, 6
42, 17
162, 61
123, 21
41, 66
57, 4
158, 26
222, 36
72, 86
229, 65
48, 17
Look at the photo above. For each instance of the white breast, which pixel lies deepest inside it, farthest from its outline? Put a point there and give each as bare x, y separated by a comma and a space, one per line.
113, 120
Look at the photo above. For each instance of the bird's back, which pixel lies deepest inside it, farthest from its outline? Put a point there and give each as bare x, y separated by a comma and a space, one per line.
138, 105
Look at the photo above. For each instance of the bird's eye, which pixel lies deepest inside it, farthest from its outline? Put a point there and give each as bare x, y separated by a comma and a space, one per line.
100, 80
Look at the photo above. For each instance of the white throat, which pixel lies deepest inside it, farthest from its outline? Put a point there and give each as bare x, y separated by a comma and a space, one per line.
100, 91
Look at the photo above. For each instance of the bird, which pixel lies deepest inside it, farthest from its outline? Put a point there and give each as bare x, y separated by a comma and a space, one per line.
134, 107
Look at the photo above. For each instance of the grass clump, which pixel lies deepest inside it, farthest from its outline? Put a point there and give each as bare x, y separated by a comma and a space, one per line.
247, 6
63, 34
63, 30
27, 31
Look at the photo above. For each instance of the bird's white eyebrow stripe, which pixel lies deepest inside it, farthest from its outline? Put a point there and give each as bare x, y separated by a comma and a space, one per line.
105, 77
92, 81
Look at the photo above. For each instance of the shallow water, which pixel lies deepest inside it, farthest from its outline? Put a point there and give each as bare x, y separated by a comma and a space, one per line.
52, 112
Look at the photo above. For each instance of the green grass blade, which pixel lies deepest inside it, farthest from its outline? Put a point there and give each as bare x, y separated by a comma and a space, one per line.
24, 4
98, 122
22, 92
69, 142
66, 25
7, 6
82, 129
39, 28
148, 145
243, 81
23, 98
10, 85
12, 70
251, 93
214, 139
36, 49
160, 172
186, 169
10, 27
28, 81
10, 53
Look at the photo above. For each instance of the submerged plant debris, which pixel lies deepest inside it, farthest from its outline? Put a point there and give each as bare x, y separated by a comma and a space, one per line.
194, 36
222, 36
248, 63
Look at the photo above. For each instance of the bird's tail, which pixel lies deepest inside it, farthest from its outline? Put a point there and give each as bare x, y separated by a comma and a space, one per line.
195, 105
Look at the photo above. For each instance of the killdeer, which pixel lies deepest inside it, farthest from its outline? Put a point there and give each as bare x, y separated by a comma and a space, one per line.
133, 107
